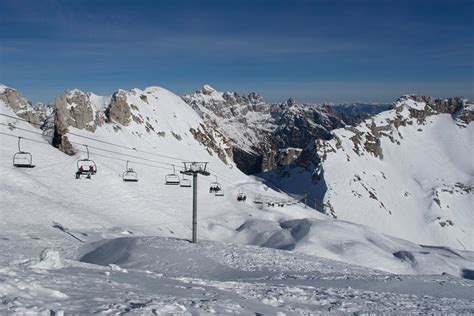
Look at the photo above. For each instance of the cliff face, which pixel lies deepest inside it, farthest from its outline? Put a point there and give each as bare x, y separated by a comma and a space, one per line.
264, 136
22, 107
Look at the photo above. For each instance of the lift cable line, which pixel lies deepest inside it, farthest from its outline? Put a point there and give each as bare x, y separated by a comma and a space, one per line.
105, 156
112, 144
96, 140
93, 147
95, 154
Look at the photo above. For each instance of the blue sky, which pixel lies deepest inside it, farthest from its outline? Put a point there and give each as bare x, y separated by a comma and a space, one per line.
315, 51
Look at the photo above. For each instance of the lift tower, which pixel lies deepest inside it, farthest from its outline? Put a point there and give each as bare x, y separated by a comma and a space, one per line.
194, 168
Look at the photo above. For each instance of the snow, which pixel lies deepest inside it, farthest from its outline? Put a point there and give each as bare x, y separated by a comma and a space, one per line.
3, 88
420, 190
106, 246
49, 259
414, 105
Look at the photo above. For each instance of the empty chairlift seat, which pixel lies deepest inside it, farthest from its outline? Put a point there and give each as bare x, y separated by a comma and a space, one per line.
22, 159
258, 199
185, 182
172, 178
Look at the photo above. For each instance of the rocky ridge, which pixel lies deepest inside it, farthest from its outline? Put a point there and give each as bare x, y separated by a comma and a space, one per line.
407, 172
134, 110
407, 110
264, 135
37, 114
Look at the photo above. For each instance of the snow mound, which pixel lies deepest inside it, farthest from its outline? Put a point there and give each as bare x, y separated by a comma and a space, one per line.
356, 244
49, 259
29, 291
3, 88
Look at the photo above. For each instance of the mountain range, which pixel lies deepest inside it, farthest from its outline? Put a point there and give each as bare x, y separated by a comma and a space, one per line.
388, 194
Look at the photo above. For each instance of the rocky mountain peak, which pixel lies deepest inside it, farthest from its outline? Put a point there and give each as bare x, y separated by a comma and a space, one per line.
22, 107
420, 107
290, 102
263, 135
207, 90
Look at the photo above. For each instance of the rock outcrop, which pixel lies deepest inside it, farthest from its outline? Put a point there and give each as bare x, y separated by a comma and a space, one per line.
22, 107
264, 136
119, 110
75, 109
137, 110
407, 110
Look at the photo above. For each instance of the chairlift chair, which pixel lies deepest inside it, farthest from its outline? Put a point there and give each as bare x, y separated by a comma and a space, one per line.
172, 178
185, 182
258, 199
129, 175
86, 167
241, 196
219, 193
215, 187
22, 159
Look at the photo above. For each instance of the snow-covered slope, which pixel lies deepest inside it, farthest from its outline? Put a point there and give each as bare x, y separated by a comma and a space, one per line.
407, 172
153, 116
46, 207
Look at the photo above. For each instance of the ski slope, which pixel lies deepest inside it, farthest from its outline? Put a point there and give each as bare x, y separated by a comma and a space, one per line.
104, 245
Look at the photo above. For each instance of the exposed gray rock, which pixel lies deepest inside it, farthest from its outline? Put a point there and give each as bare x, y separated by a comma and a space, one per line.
22, 107
74, 109
263, 136
119, 110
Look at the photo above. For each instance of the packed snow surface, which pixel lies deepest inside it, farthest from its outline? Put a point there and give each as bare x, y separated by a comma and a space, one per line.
102, 245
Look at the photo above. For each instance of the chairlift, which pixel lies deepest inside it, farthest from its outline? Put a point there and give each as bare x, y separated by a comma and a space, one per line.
86, 167
185, 182
258, 199
129, 175
172, 178
215, 187
241, 197
22, 159
270, 203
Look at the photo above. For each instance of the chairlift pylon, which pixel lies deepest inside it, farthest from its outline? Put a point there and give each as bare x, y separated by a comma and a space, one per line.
172, 178
22, 159
129, 175
215, 187
86, 167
